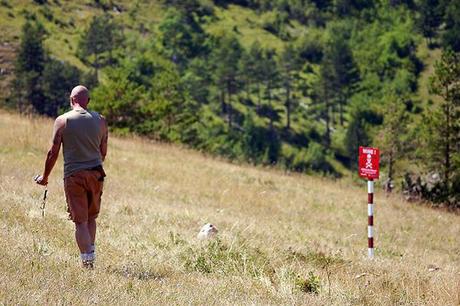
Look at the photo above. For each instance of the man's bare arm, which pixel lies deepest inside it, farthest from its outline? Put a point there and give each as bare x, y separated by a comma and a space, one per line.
105, 137
53, 152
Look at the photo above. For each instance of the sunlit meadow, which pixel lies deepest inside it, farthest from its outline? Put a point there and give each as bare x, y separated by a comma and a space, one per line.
283, 238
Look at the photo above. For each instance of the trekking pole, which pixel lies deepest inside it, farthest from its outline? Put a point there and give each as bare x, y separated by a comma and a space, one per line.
42, 206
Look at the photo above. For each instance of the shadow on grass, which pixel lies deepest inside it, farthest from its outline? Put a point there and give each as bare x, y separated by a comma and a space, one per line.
136, 271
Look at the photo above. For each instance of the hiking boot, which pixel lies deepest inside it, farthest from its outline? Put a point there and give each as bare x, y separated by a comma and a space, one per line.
87, 260
88, 264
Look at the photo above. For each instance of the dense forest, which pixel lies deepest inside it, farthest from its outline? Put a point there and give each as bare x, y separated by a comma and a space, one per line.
296, 84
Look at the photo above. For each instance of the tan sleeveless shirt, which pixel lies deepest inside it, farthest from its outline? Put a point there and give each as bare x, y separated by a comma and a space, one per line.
81, 141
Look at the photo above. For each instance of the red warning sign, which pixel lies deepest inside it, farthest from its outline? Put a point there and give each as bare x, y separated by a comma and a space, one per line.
369, 159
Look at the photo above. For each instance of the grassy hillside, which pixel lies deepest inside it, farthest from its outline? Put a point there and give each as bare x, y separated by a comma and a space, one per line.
302, 146
279, 234
65, 20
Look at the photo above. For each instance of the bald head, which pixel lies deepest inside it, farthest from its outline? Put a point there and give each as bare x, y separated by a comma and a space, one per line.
80, 96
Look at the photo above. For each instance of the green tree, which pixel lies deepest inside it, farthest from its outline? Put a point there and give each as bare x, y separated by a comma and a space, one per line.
348, 7
171, 113
119, 100
260, 144
182, 37
247, 69
253, 143
252, 67
452, 26
324, 95
430, 18
391, 140
99, 40
358, 133
58, 78
337, 79
29, 66
226, 59
145, 95
271, 80
289, 66
343, 74
197, 80
443, 122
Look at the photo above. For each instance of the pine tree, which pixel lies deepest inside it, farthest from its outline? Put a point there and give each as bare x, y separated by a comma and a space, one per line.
56, 82
29, 66
391, 137
181, 36
197, 80
324, 96
443, 122
452, 26
247, 69
289, 63
362, 117
344, 74
271, 79
430, 18
337, 80
103, 35
253, 68
226, 59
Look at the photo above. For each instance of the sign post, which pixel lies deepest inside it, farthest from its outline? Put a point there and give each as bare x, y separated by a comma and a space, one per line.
369, 168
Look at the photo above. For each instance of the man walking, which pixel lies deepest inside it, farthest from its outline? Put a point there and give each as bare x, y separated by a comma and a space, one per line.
83, 134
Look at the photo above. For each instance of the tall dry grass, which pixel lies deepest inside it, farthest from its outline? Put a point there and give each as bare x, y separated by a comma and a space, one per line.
284, 239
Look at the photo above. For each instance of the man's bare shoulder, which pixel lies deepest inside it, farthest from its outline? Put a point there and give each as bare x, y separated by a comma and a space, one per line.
60, 121
103, 119
66, 115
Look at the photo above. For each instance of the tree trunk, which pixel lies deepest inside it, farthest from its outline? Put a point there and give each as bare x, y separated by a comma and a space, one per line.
229, 103
390, 165
269, 91
258, 95
447, 147
222, 101
288, 106
328, 126
248, 89
341, 100
327, 118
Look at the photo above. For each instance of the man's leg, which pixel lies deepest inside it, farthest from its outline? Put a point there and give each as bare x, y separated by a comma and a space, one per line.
92, 229
92, 234
94, 200
77, 200
83, 237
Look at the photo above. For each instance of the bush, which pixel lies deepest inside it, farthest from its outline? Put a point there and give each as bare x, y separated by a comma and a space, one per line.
430, 187
311, 47
313, 158
57, 80
310, 284
260, 144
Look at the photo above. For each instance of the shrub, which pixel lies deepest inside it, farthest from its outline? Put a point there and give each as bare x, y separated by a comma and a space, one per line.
310, 284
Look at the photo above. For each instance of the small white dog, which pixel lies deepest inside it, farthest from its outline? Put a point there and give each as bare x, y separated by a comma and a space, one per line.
207, 231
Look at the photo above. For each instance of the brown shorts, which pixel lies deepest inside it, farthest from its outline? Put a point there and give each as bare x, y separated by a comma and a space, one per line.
83, 191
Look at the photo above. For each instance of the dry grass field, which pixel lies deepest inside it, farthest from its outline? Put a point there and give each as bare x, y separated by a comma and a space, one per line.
283, 239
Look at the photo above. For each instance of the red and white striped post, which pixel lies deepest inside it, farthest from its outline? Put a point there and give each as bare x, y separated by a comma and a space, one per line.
369, 168
370, 218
